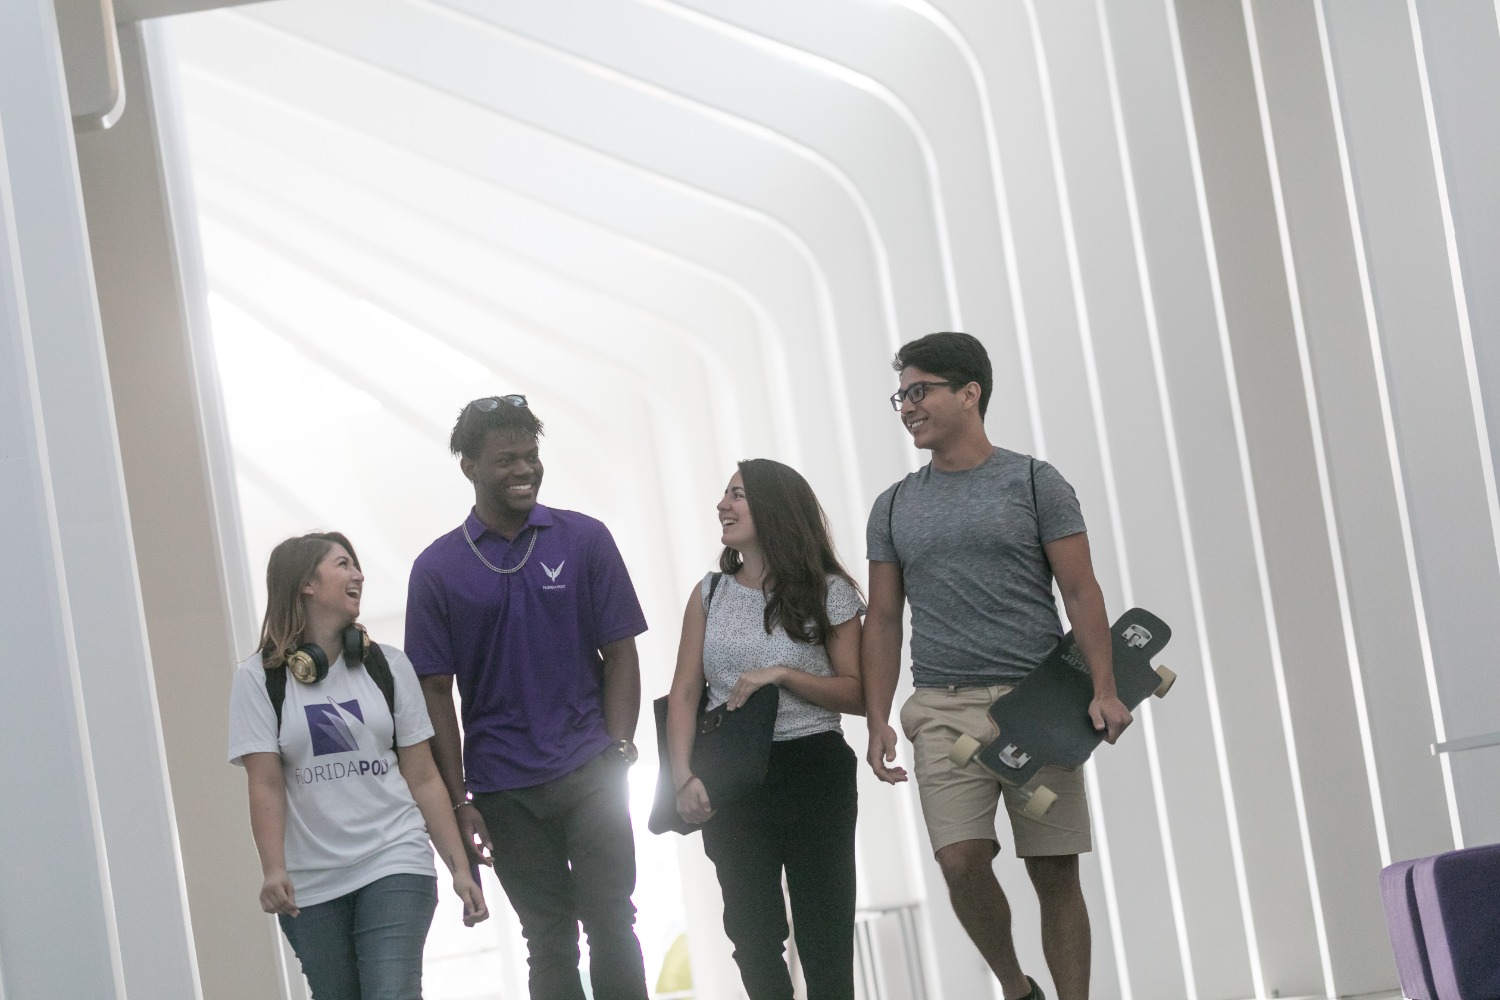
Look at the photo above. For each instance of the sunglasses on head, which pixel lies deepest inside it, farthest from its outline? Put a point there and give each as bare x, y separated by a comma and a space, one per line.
488, 403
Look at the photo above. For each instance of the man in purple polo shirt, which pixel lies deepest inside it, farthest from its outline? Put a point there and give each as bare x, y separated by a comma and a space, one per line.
533, 612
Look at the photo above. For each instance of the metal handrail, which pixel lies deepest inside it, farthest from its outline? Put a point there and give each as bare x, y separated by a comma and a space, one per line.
1467, 743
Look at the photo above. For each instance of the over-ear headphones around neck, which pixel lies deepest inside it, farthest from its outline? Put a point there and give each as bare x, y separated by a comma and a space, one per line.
309, 664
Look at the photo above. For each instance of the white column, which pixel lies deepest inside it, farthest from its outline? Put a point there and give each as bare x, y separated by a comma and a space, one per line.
1310, 659
99, 556
1420, 304
58, 935
1343, 367
1461, 44
1460, 40
174, 465
1006, 45
1164, 811
1232, 655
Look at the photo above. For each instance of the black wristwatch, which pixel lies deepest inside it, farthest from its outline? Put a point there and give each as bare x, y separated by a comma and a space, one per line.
625, 750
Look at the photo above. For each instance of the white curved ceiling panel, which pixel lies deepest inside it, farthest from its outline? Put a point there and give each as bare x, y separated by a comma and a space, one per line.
603, 188
854, 129
496, 331
919, 59
642, 125
684, 293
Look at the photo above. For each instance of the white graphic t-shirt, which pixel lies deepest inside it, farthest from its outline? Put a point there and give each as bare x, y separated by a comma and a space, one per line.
350, 817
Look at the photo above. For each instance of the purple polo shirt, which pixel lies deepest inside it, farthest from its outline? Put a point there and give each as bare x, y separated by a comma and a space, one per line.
523, 646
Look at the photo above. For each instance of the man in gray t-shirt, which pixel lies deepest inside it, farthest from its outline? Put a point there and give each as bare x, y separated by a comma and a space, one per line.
974, 541
969, 545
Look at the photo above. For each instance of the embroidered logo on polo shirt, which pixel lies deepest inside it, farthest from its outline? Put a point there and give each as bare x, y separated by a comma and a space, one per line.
329, 725
552, 575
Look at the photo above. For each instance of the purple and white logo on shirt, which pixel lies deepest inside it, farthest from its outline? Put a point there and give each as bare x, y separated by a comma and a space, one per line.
330, 723
552, 574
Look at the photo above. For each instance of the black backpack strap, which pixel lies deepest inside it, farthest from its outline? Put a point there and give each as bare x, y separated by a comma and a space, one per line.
379, 669
276, 689
890, 518
375, 663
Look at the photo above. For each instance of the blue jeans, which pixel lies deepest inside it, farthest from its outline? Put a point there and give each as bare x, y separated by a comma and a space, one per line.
366, 945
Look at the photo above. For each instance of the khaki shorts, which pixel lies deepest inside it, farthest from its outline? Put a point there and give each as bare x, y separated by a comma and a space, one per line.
959, 803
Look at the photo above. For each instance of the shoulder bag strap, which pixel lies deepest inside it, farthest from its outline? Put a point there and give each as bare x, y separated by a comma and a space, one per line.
1036, 512
713, 585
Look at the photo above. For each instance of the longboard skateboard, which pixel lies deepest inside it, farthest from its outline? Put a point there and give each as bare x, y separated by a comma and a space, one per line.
1045, 718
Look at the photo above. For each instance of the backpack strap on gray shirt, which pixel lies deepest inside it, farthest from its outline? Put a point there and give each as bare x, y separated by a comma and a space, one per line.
1037, 513
890, 513
890, 518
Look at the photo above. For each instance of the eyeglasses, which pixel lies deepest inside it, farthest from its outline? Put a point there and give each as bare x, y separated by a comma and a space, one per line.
488, 403
917, 391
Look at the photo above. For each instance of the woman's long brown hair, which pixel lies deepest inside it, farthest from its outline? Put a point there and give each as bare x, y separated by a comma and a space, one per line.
291, 567
794, 537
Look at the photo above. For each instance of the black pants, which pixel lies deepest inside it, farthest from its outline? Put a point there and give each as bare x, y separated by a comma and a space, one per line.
565, 853
802, 820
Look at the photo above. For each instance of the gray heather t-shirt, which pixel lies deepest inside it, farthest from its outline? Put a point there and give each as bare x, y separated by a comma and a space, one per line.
970, 550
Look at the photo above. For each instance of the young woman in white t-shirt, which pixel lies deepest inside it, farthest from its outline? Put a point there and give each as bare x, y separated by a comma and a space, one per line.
344, 793
784, 612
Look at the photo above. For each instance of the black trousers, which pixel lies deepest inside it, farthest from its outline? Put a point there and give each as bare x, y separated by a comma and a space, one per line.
801, 820
565, 854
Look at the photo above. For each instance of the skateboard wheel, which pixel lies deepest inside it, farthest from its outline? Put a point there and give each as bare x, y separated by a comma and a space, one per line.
1040, 802
964, 749
1168, 678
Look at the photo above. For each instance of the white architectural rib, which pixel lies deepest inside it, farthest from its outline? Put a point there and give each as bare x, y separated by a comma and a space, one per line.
1179, 492
1278, 666
1075, 280
164, 78
961, 42
1320, 451
1388, 424
1096, 399
871, 86
1456, 276
1465, 336
15, 312
1105, 854
1237, 417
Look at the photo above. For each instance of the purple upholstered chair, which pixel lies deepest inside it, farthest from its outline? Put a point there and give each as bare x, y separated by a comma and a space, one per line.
1405, 925
1458, 900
